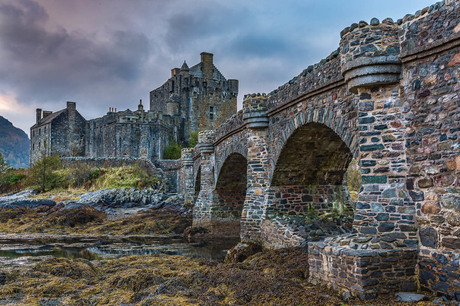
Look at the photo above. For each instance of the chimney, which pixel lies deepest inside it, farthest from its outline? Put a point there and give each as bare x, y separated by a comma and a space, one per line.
71, 106
174, 71
140, 107
38, 114
207, 64
46, 114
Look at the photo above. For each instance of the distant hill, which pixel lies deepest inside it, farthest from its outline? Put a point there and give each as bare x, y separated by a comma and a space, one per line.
14, 144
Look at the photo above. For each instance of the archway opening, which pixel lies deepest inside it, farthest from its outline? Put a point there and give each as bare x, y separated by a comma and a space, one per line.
308, 193
230, 194
198, 182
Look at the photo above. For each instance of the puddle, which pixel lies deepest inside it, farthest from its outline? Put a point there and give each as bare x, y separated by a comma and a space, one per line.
210, 249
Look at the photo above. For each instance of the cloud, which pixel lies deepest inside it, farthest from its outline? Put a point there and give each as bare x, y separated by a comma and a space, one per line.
49, 63
111, 53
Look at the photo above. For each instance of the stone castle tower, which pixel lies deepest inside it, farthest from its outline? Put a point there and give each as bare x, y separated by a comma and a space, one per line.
193, 99
199, 97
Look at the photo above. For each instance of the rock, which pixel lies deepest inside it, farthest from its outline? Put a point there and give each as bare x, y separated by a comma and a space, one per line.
193, 233
242, 251
386, 227
375, 21
431, 208
409, 297
453, 218
123, 197
451, 201
425, 183
452, 243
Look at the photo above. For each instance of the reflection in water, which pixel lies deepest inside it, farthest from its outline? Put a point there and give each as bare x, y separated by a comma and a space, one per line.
49, 251
209, 249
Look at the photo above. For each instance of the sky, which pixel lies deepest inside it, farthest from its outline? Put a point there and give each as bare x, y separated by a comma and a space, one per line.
111, 53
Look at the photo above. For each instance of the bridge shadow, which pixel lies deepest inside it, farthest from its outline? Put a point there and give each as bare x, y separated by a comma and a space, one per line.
308, 197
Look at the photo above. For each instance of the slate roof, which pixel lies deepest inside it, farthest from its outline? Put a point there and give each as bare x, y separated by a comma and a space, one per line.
49, 118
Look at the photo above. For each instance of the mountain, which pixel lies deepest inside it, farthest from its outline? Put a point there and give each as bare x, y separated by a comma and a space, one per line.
14, 144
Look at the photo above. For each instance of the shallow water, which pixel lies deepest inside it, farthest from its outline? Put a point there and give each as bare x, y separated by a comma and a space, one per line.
209, 249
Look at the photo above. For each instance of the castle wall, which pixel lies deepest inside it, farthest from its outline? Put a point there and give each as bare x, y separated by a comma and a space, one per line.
200, 96
133, 135
61, 133
40, 142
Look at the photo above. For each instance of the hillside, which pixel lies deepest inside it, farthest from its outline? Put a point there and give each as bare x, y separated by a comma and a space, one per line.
14, 144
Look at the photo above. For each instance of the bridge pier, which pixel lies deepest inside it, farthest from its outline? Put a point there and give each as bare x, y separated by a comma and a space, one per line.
256, 119
203, 205
187, 179
382, 256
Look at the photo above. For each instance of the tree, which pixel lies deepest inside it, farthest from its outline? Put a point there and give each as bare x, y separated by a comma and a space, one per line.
42, 172
4, 167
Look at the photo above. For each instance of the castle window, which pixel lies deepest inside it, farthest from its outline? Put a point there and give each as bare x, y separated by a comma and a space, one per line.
211, 113
39, 132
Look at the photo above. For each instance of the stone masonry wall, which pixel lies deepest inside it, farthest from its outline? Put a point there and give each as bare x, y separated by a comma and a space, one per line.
390, 95
366, 274
298, 200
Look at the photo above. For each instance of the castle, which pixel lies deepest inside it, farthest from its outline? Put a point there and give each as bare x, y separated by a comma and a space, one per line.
193, 99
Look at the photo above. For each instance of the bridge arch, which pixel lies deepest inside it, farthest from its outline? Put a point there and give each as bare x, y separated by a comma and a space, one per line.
343, 123
198, 182
309, 179
230, 193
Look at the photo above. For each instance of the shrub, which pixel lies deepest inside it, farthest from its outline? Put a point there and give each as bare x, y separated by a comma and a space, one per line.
172, 151
354, 179
193, 141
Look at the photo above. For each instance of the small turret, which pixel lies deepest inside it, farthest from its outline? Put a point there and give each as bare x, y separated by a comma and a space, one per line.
184, 67
140, 107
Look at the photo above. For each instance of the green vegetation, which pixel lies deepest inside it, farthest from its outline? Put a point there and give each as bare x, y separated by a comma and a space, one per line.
354, 179
172, 151
87, 220
4, 167
193, 141
50, 177
43, 174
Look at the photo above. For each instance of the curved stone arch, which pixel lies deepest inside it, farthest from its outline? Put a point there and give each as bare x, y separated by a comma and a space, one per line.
346, 130
197, 180
225, 149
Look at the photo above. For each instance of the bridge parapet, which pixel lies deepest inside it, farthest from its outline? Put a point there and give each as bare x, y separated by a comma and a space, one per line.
314, 79
229, 127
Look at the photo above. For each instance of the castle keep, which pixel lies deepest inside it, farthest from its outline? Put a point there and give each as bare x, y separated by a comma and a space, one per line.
193, 99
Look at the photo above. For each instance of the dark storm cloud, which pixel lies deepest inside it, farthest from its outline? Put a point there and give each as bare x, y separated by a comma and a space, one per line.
48, 63
113, 52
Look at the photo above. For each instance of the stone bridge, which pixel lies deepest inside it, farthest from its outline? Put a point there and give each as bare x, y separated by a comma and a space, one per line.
387, 97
